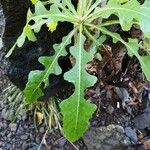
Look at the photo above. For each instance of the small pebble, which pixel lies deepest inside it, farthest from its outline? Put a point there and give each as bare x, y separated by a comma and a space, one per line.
38, 141
4, 114
110, 109
24, 146
42, 130
13, 127
9, 135
23, 137
62, 142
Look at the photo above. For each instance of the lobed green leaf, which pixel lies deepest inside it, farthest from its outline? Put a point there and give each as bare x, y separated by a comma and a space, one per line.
33, 88
140, 14
76, 110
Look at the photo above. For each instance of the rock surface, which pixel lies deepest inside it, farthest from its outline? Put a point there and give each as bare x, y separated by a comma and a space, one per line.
131, 133
106, 138
143, 121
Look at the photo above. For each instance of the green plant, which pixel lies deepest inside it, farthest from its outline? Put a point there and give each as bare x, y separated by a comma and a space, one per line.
76, 110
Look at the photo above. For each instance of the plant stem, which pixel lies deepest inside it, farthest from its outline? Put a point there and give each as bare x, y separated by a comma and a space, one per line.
92, 8
91, 37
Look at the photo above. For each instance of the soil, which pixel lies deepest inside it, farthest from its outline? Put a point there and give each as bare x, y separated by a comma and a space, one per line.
122, 94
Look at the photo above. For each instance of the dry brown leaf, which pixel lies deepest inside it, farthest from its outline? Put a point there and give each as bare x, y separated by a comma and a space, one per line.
147, 144
40, 117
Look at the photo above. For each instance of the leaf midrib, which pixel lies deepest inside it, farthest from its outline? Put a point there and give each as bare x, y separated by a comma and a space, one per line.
51, 65
79, 79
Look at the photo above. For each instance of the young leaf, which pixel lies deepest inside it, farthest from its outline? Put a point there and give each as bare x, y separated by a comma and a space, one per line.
76, 110
52, 26
33, 88
43, 16
21, 40
34, 1
40, 9
70, 6
11, 50
29, 33
29, 15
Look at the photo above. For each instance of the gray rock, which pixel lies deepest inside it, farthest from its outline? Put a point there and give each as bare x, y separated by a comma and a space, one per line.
24, 146
1, 143
13, 127
5, 114
123, 95
23, 137
9, 135
37, 139
31, 136
24, 117
1, 125
110, 109
141, 148
19, 117
142, 121
42, 130
34, 148
131, 133
5, 125
1, 43
62, 142
8, 146
106, 138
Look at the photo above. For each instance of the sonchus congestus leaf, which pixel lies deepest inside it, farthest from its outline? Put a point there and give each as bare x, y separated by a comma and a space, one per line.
129, 13
40, 17
33, 88
76, 110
